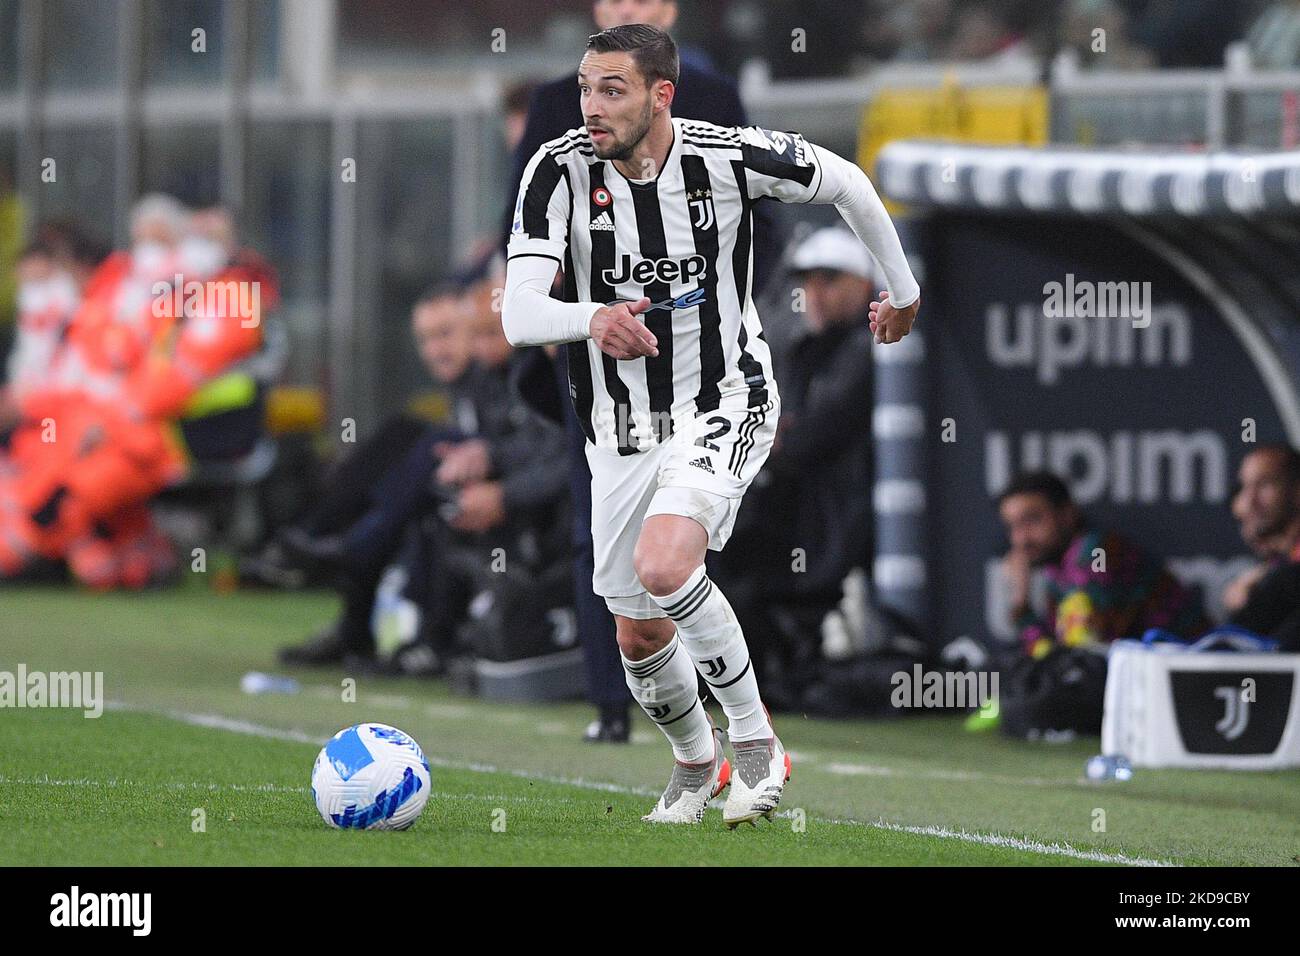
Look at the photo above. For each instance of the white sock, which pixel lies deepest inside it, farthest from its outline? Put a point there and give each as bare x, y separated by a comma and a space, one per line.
665, 686
712, 636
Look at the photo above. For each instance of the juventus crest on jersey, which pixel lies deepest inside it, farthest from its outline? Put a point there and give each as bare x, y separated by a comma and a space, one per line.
684, 241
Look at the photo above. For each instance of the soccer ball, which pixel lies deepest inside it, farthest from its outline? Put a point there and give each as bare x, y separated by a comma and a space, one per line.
370, 777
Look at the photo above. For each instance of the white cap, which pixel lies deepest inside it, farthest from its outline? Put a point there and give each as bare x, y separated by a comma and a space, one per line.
833, 248
160, 207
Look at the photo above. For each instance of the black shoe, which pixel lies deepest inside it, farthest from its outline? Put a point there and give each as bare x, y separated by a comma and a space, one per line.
271, 569
311, 552
417, 659
608, 729
323, 650
461, 674
365, 665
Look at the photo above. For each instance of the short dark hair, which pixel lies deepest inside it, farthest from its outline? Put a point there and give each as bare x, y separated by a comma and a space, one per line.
518, 96
443, 289
653, 49
1038, 483
66, 237
1290, 458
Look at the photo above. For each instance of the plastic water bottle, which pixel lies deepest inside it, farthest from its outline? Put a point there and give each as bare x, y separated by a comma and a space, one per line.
395, 618
1103, 767
255, 682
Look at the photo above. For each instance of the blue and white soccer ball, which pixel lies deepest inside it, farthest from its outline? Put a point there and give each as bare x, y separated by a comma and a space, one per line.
370, 777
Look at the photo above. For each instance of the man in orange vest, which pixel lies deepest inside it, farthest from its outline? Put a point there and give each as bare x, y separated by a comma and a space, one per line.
157, 323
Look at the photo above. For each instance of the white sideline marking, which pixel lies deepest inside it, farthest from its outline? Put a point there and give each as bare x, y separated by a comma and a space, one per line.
443, 711
996, 839
217, 722
47, 781
962, 776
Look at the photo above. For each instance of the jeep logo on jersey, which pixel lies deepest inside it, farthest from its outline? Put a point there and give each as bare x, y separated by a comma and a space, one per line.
656, 270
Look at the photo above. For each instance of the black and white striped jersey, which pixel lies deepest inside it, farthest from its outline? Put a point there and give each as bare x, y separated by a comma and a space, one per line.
684, 240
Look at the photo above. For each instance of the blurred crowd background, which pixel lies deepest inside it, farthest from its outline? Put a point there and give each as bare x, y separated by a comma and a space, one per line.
422, 96
353, 159
419, 95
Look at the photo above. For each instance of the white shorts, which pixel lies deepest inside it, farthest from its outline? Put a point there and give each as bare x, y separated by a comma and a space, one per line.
701, 472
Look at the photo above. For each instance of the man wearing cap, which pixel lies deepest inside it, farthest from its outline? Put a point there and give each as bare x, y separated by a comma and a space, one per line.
812, 525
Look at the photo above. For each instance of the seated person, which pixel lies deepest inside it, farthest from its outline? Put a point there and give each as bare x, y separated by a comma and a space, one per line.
813, 494
1100, 585
484, 476
47, 297
221, 415
1266, 599
350, 488
142, 343
51, 273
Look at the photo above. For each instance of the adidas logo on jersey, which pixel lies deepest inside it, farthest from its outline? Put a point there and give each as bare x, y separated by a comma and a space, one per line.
704, 464
603, 222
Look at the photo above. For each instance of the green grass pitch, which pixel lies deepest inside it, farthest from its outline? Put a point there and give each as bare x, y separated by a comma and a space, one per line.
513, 783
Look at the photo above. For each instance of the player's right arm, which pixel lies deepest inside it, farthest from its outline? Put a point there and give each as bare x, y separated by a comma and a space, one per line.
539, 237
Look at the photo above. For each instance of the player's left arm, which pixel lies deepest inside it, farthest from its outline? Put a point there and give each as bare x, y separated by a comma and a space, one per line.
852, 193
791, 169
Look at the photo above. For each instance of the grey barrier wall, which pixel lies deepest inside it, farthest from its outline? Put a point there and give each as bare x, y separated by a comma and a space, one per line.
1140, 353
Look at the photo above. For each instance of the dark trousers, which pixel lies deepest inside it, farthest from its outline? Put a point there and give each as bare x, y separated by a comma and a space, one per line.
350, 485
373, 497
606, 682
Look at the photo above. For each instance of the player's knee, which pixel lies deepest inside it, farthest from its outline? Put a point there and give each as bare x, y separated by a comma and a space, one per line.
637, 640
662, 571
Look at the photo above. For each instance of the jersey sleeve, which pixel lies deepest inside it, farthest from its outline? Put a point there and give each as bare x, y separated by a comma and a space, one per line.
781, 165
542, 209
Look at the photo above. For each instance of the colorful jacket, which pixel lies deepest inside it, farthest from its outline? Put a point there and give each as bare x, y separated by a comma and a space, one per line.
1104, 588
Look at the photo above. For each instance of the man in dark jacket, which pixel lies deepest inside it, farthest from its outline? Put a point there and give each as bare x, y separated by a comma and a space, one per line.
810, 524
491, 471
701, 94
1266, 599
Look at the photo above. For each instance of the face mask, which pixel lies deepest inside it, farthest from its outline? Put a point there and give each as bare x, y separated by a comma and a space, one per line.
43, 303
200, 258
32, 297
63, 292
149, 258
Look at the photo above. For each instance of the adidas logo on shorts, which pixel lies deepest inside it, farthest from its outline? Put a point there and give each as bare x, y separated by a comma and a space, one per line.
703, 463
603, 222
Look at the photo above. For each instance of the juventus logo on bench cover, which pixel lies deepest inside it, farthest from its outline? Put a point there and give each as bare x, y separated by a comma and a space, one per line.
1236, 712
